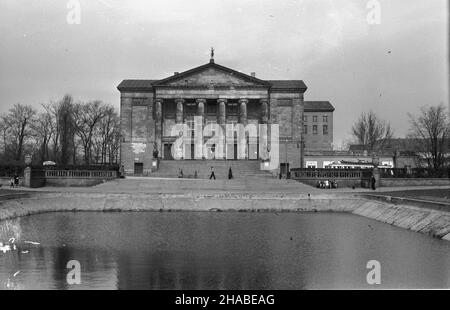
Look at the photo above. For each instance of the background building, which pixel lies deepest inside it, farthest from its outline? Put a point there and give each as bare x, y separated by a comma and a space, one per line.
318, 125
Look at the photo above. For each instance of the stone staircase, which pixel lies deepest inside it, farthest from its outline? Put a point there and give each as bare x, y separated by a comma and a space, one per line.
240, 169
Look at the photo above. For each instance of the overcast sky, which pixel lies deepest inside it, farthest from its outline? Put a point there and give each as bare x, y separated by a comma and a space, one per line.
391, 68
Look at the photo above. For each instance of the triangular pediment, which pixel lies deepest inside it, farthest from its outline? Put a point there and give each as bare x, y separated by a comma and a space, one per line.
212, 74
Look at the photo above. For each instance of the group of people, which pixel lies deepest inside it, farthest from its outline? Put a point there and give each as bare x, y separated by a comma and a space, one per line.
14, 182
212, 175
327, 184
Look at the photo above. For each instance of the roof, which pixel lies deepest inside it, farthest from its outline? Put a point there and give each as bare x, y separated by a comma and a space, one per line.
212, 64
318, 106
136, 85
288, 84
356, 147
147, 85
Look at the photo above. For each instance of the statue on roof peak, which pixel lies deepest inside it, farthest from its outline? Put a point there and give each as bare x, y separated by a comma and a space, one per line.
212, 53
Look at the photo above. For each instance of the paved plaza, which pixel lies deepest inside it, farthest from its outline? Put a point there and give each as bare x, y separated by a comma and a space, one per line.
249, 185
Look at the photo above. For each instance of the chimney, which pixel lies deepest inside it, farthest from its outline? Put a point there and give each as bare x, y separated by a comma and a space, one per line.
176, 73
253, 74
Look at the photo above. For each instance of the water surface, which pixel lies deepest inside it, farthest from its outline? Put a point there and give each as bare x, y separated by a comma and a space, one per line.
204, 250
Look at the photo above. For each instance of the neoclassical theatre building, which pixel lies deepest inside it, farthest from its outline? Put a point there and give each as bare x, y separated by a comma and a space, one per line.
150, 108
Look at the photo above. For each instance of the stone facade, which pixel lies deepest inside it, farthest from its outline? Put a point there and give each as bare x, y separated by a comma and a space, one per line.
318, 125
151, 108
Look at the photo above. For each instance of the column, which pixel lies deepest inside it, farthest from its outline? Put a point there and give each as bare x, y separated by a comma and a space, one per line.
179, 115
222, 117
198, 139
158, 125
201, 108
265, 134
264, 111
243, 144
243, 111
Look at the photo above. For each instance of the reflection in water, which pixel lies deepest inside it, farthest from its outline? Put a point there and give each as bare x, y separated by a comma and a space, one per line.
150, 250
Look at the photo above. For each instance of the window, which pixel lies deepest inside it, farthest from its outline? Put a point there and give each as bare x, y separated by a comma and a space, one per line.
170, 109
191, 128
325, 118
311, 164
315, 119
190, 108
232, 108
315, 129
305, 129
211, 107
210, 131
327, 163
325, 129
305, 118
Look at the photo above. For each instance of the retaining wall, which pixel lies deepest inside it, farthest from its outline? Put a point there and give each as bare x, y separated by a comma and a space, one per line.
395, 182
432, 222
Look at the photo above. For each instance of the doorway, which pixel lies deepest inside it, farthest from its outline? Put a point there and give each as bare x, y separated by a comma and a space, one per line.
168, 151
284, 168
138, 168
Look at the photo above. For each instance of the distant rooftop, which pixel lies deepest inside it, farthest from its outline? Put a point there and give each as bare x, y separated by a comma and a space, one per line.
318, 106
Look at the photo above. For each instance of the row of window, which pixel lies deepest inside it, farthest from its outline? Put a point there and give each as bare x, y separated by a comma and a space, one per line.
211, 108
315, 118
315, 129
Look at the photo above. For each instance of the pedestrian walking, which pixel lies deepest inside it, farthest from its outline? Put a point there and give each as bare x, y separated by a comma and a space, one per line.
374, 181
212, 175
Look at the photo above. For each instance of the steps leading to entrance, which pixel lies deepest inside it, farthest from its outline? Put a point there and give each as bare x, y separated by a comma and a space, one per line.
240, 169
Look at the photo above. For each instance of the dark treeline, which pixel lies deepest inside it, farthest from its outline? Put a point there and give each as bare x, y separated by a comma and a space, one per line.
65, 131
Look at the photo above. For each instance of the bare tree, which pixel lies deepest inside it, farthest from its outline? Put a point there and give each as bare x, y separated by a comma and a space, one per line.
4, 133
52, 109
64, 111
432, 129
86, 118
18, 122
43, 130
371, 132
63, 131
108, 127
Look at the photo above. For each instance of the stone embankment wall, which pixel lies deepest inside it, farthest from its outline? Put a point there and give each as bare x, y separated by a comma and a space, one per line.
432, 222
388, 182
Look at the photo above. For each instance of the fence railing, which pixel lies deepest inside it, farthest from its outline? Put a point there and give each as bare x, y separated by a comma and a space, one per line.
89, 174
308, 173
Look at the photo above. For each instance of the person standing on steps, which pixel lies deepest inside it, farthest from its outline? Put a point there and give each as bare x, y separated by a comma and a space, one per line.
374, 181
230, 174
212, 175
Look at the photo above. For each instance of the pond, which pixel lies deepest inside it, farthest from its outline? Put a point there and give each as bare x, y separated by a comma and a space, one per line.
216, 250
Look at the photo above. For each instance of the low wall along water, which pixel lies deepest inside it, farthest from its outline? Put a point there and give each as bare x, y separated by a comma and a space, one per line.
432, 222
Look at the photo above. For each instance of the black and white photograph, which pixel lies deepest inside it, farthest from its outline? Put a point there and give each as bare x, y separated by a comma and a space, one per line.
203, 147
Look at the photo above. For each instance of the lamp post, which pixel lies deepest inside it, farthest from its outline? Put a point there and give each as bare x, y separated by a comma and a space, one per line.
285, 157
